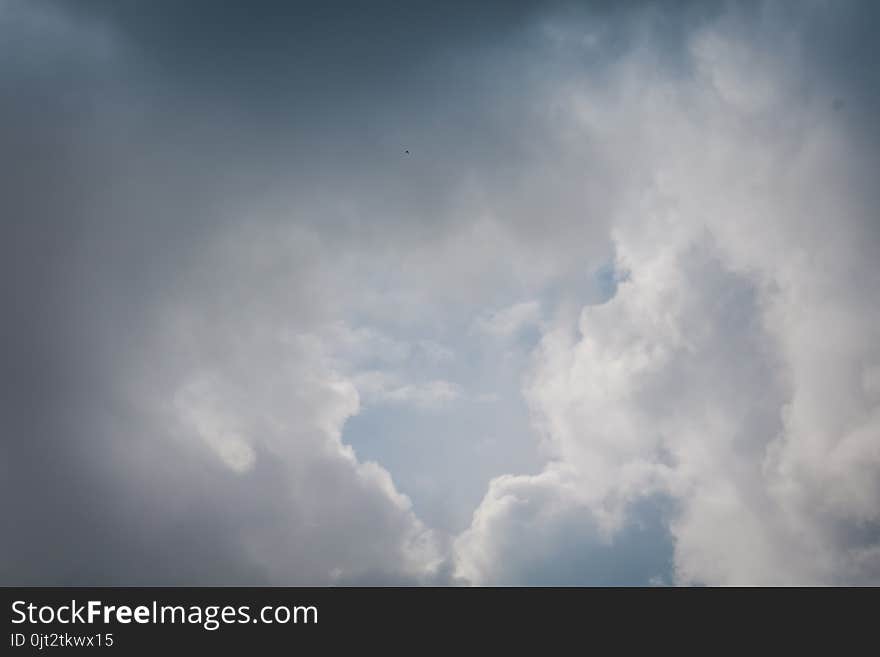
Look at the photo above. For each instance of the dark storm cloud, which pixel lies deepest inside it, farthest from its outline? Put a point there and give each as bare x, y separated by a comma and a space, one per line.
76, 282
292, 60
132, 134
105, 199
323, 98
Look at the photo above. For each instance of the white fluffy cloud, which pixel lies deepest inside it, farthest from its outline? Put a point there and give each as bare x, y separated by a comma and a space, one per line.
622, 289
732, 371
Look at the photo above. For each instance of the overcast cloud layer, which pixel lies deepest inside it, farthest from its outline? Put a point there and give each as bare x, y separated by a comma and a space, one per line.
613, 318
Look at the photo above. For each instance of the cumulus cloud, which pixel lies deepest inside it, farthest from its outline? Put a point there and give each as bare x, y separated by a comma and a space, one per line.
728, 372
249, 341
539, 531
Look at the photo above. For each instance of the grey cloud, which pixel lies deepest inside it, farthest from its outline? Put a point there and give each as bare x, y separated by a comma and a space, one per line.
151, 254
115, 301
196, 196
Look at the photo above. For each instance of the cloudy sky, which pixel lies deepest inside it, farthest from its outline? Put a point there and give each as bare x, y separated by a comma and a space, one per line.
613, 319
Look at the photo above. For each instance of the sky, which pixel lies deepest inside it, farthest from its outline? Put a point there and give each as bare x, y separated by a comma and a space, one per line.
439, 293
